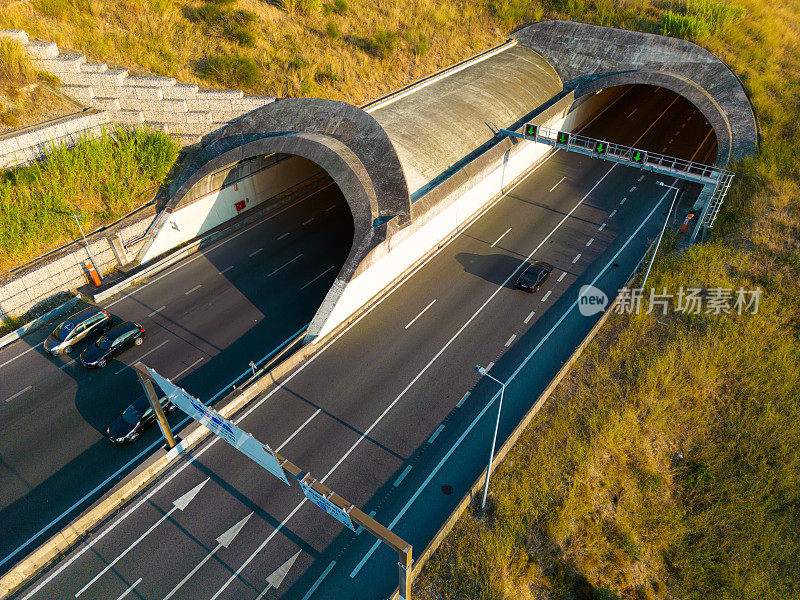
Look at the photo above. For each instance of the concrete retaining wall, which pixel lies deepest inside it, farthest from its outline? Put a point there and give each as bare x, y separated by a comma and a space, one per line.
22, 147
233, 197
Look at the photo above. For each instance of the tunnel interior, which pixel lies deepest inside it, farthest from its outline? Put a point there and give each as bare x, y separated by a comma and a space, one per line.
647, 117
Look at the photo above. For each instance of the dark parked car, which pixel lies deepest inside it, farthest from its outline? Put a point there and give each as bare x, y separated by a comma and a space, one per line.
534, 275
113, 342
78, 327
136, 418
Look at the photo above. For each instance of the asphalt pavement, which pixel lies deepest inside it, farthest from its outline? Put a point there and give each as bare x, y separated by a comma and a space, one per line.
391, 414
206, 318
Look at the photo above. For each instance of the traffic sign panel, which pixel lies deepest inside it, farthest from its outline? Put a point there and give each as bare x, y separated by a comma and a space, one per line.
563, 137
211, 419
638, 157
600, 147
329, 507
531, 129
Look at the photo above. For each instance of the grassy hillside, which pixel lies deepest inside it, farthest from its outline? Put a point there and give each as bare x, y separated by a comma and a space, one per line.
667, 465
102, 179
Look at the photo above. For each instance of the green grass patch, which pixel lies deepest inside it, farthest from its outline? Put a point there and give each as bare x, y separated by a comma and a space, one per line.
231, 70
15, 66
235, 25
102, 179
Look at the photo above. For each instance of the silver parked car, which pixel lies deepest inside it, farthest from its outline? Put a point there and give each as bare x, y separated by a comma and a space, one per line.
78, 327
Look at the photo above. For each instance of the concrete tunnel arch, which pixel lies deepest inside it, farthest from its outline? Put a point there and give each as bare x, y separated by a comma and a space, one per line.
589, 58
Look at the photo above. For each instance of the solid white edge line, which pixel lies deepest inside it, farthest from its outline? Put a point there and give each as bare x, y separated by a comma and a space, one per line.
497, 241
497, 394
410, 323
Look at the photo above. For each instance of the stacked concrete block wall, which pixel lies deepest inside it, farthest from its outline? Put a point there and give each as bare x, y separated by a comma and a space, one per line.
65, 269
32, 143
182, 110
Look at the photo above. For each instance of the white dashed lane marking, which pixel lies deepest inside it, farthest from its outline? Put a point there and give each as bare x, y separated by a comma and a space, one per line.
589, 243
18, 394
547, 295
556, 185
252, 254
621, 202
641, 178
283, 236
307, 221
574, 260
511, 339
500, 238
632, 112
410, 323
632, 190
530, 316
317, 277
225, 270
603, 226
464, 398
156, 311
284, 265
435, 434
194, 289
405, 472
613, 212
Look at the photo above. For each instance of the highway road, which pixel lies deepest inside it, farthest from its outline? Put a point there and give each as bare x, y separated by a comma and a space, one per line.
206, 319
390, 414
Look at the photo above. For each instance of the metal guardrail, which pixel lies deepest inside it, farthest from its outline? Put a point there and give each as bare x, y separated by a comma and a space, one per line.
635, 157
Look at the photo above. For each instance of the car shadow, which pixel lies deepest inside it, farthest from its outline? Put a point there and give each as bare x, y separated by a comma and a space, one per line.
494, 268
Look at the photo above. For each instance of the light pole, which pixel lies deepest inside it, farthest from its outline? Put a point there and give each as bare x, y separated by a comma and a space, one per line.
483, 371
85, 241
660, 235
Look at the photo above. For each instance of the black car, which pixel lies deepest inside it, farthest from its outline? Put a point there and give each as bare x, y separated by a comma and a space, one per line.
113, 342
534, 275
136, 418
78, 327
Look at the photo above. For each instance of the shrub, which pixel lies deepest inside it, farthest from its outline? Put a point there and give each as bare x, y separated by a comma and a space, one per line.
383, 43
338, 7
235, 25
231, 70
332, 31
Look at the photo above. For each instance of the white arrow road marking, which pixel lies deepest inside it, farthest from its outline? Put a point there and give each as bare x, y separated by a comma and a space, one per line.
223, 541
179, 504
276, 579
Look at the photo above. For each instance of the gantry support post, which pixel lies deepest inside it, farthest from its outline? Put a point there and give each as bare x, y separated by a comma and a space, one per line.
147, 383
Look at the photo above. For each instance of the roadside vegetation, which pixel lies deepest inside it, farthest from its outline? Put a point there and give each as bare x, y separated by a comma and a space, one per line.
26, 95
667, 463
102, 179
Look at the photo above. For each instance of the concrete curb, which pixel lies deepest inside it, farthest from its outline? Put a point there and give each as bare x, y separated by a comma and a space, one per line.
37, 322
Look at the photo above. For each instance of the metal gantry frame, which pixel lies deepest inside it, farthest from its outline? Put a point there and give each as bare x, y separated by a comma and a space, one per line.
662, 164
356, 515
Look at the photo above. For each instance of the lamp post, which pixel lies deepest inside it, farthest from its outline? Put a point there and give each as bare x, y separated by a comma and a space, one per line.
660, 235
483, 371
85, 241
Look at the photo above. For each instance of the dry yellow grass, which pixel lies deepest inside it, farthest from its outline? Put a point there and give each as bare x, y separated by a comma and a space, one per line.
373, 46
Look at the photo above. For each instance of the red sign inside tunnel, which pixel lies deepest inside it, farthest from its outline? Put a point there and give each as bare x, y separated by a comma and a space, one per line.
240, 205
